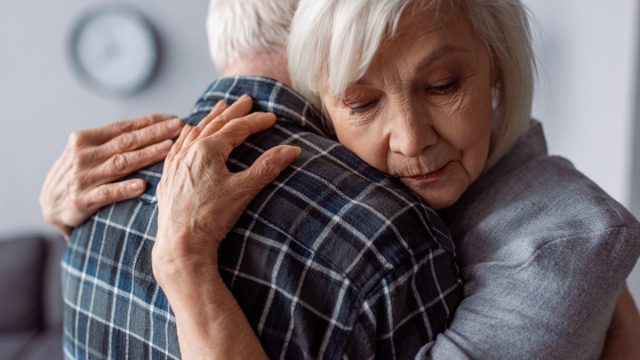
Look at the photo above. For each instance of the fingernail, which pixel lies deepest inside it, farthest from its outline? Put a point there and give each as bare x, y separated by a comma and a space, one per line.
165, 145
244, 97
174, 124
289, 153
136, 185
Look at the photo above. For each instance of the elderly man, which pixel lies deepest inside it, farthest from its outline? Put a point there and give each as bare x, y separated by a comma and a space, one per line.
333, 259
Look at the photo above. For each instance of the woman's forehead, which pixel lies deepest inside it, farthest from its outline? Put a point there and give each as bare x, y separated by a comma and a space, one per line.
427, 25
419, 44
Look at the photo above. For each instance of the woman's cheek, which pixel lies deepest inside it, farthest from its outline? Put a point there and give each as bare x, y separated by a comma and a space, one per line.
466, 122
366, 142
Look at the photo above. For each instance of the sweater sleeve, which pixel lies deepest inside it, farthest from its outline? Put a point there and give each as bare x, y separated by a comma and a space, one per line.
555, 305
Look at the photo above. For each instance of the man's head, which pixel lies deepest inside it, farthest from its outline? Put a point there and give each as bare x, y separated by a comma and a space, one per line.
249, 31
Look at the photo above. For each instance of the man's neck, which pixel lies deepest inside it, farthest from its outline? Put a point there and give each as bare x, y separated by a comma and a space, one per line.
271, 65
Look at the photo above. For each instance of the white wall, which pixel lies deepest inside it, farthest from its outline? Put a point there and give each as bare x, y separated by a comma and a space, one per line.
585, 95
41, 101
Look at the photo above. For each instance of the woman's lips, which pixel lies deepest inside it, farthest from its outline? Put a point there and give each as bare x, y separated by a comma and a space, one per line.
428, 177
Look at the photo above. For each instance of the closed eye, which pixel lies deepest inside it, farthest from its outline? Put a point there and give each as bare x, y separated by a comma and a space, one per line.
446, 88
358, 108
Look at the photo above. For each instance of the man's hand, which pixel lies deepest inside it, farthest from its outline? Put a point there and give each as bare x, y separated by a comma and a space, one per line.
623, 336
79, 183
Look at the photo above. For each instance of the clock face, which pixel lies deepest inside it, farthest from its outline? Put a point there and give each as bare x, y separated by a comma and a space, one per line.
115, 50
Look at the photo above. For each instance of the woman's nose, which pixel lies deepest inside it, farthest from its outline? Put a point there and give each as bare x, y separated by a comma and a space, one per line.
411, 133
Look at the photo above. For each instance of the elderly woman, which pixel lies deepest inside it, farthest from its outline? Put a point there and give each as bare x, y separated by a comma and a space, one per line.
438, 95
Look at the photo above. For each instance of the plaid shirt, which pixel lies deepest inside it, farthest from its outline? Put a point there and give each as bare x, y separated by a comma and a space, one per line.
333, 259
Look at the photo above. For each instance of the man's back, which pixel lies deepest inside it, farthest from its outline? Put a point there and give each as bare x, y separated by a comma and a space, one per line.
331, 258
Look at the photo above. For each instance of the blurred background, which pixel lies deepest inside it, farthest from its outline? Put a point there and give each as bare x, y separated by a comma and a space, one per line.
586, 94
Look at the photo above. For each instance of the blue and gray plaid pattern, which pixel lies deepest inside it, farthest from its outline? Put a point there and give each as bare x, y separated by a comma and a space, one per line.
332, 259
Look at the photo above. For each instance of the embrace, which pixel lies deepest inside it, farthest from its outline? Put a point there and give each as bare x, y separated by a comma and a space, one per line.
363, 180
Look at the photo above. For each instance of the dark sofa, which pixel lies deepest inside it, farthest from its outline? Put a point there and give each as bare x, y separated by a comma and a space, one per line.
31, 301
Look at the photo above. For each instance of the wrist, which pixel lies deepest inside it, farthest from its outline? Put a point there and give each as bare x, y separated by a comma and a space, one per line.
181, 272
201, 295
209, 321
177, 252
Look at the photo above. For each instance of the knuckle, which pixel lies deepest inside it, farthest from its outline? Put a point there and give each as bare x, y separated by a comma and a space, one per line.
222, 118
101, 197
150, 119
139, 158
103, 194
265, 170
237, 125
119, 163
123, 126
124, 142
236, 129
75, 140
78, 201
157, 130
79, 160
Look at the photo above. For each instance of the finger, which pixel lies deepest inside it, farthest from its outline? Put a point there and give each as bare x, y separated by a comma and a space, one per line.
220, 107
105, 133
111, 193
140, 138
237, 131
214, 113
180, 141
124, 164
266, 169
192, 136
238, 109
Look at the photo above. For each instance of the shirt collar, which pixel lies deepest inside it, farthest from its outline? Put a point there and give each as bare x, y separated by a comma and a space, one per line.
268, 95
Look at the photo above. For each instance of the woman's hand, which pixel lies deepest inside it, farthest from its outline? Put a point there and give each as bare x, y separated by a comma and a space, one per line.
79, 183
199, 201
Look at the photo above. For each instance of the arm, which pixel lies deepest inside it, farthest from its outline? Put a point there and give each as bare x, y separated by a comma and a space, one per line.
81, 180
624, 331
557, 304
209, 322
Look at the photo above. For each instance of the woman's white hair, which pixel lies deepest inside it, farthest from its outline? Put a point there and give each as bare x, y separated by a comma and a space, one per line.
246, 27
333, 43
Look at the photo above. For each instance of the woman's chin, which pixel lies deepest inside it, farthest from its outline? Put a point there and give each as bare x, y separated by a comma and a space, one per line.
439, 201
439, 194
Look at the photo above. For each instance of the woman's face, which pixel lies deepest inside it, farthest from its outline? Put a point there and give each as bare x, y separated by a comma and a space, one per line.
422, 112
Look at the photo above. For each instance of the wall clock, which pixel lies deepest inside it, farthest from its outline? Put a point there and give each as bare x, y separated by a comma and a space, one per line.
114, 49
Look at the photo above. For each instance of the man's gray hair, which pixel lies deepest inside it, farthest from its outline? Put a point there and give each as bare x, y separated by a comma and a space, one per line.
333, 43
245, 27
